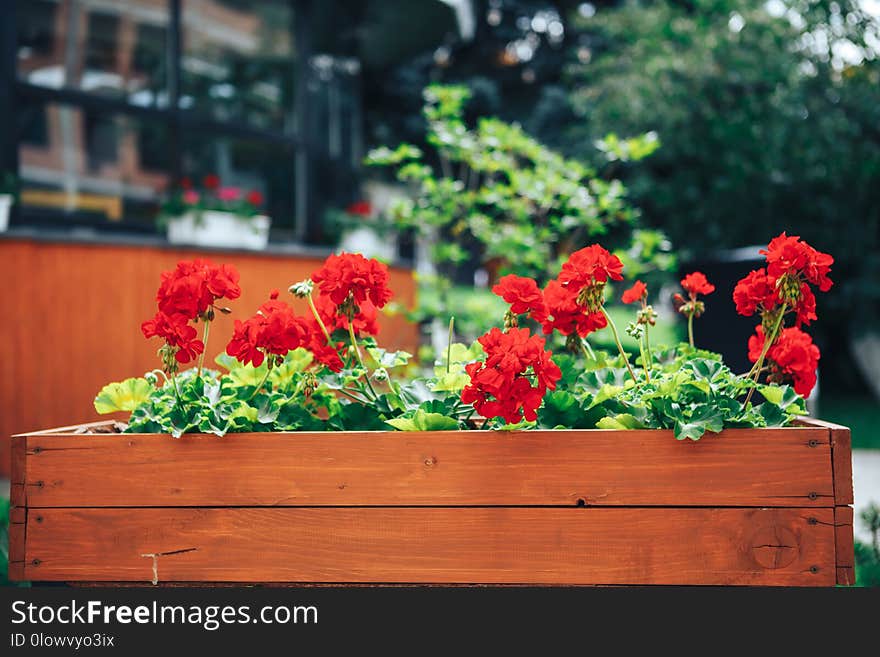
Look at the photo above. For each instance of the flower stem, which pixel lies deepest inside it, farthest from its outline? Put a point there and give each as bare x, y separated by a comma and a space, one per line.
205, 335
648, 349
644, 360
318, 318
691, 329
619, 346
360, 359
261, 384
449, 344
755, 372
587, 349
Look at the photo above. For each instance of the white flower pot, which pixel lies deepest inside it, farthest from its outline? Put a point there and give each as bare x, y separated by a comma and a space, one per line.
369, 243
5, 207
222, 229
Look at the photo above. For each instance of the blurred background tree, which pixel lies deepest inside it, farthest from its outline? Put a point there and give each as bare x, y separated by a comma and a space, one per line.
769, 116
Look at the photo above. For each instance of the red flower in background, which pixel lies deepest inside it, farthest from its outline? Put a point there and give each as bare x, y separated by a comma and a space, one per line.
352, 277
211, 181
501, 386
360, 209
566, 315
755, 293
696, 283
255, 198
590, 265
793, 358
185, 183
637, 292
191, 196
523, 295
176, 332
788, 255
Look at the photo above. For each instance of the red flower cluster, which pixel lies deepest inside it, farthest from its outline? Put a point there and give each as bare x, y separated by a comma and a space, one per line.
793, 358
192, 287
177, 333
360, 209
501, 386
187, 293
350, 278
273, 331
696, 283
365, 321
789, 256
589, 266
523, 295
781, 288
566, 315
638, 292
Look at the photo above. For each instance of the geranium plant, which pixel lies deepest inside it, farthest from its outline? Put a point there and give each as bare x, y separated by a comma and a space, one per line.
210, 195
323, 370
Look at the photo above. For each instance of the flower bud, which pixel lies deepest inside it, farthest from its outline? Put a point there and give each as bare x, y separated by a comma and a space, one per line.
302, 289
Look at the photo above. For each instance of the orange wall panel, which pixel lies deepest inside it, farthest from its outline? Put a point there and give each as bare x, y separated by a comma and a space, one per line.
72, 315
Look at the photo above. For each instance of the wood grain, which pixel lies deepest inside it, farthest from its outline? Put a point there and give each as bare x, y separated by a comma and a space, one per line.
841, 456
78, 310
18, 472
17, 543
843, 544
436, 545
740, 467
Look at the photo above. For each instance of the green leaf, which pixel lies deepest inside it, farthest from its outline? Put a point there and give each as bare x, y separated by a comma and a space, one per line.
424, 421
123, 396
388, 359
621, 421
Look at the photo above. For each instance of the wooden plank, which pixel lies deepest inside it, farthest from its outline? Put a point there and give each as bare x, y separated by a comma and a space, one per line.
843, 545
17, 529
18, 474
740, 467
841, 457
435, 545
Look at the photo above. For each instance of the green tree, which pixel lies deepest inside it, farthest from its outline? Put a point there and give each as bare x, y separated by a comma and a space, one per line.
769, 115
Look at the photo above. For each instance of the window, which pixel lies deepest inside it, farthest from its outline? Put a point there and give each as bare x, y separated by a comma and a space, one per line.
115, 100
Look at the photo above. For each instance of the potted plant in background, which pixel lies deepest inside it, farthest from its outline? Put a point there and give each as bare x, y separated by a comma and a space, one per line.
363, 230
215, 215
8, 191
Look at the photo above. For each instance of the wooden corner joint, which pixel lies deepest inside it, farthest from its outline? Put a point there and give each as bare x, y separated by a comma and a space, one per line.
841, 465
844, 548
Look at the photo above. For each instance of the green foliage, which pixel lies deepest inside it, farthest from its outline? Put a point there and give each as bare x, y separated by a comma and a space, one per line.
766, 125
524, 205
691, 392
123, 396
868, 555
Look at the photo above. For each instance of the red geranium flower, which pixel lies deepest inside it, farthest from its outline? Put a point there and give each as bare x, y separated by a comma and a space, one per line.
352, 277
274, 329
695, 283
637, 292
566, 315
793, 358
590, 265
502, 386
788, 255
176, 332
755, 293
211, 181
194, 286
255, 198
523, 295
366, 321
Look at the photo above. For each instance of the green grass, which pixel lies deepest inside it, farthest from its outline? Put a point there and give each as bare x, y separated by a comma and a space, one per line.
861, 414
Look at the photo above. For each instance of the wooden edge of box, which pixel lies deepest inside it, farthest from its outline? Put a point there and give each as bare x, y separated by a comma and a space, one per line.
17, 534
841, 464
844, 545
18, 473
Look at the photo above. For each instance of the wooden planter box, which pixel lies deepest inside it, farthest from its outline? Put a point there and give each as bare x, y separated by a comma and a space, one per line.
748, 507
